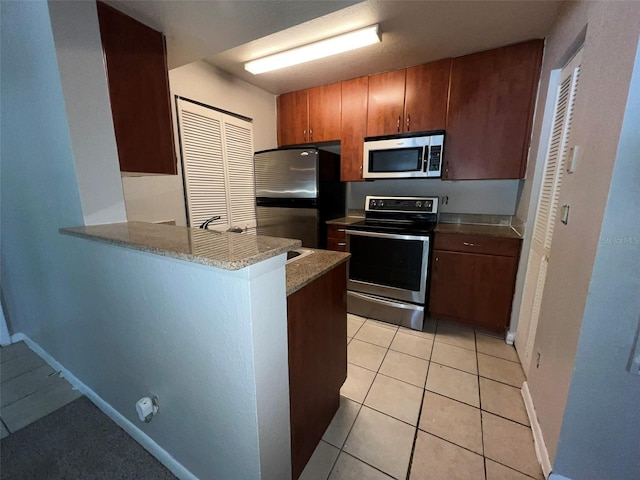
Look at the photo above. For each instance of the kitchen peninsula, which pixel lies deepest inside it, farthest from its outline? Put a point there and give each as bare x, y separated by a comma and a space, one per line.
261, 321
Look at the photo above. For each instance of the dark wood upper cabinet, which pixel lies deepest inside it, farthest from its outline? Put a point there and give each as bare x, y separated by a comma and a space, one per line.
484, 101
426, 95
325, 106
135, 61
408, 100
386, 103
309, 116
293, 118
354, 128
491, 104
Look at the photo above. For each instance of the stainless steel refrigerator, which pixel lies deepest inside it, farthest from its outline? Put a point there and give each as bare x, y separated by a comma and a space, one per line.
297, 191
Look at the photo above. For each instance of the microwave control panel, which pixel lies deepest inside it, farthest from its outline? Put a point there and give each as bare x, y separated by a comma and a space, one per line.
435, 158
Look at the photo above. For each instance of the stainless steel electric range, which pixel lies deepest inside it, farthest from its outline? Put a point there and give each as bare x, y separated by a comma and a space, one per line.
389, 264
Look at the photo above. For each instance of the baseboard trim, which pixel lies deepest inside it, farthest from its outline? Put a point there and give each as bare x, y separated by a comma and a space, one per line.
538, 439
138, 435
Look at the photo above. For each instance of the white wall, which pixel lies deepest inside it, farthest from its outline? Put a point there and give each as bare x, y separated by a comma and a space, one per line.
161, 197
39, 187
603, 399
608, 56
84, 84
210, 344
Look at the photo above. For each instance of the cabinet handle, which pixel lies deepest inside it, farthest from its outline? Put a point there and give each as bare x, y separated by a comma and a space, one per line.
342, 229
342, 244
408, 122
471, 244
304, 134
435, 267
398, 123
311, 134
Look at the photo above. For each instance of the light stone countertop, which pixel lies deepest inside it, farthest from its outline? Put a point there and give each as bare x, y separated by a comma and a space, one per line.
344, 220
504, 231
305, 270
228, 251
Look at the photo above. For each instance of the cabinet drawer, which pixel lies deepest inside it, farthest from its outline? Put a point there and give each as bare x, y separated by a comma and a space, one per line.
336, 231
507, 247
337, 244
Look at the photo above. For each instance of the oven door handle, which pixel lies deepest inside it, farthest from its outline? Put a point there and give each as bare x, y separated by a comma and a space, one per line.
387, 235
386, 302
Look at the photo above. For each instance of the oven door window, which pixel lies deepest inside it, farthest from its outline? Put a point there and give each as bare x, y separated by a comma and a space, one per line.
386, 261
396, 160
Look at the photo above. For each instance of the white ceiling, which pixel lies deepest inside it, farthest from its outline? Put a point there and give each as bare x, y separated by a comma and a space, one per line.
229, 33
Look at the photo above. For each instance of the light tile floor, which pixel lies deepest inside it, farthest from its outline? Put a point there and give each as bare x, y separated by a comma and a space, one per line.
433, 405
29, 388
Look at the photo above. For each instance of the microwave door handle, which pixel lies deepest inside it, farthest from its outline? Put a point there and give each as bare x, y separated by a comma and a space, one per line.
425, 158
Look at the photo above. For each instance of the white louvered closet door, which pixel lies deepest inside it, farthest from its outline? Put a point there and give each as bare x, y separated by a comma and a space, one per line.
547, 210
238, 143
217, 164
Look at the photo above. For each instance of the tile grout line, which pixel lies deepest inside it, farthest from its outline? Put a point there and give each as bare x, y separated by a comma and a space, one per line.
362, 405
24, 352
484, 457
33, 392
424, 390
5, 426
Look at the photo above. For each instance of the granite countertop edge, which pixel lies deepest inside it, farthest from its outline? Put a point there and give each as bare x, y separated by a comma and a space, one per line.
302, 272
501, 231
344, 220
231, 265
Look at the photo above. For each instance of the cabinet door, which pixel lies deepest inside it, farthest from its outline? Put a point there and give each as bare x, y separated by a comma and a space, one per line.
337, 237
293, 118
317, 334
426, 95
135, 61
386, 103
491, 107
354, 128
324, 113
472, 288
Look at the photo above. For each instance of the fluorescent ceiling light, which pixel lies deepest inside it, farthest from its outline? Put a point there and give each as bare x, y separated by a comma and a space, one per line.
313, 51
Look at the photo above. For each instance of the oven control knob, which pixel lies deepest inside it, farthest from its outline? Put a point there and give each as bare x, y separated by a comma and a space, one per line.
373, 203
381, 203
419, 204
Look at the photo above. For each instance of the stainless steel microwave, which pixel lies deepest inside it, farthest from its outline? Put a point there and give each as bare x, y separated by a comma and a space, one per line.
415, 155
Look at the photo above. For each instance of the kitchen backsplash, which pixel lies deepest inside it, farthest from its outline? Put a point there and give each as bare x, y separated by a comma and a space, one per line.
489, 197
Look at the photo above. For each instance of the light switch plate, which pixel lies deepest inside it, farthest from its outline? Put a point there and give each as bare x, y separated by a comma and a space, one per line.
564, 214
571, 166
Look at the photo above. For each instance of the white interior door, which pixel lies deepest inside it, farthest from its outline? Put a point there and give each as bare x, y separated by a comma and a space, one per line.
547, 210
217, 165
238, 146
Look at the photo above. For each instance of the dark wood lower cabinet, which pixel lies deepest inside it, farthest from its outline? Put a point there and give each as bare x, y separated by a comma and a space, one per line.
317, 322
473, 288
336, 238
